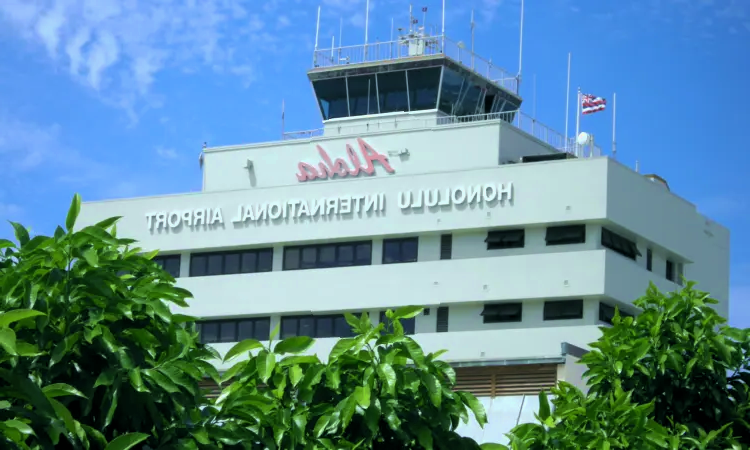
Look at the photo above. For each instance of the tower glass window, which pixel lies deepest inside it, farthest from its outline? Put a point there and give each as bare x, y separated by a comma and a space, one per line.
423, 88
392, 94
450, 90
363, 97
331, 95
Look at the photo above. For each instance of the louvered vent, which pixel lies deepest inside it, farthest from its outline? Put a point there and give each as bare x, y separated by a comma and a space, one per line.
446, 246
442, 319
498, 381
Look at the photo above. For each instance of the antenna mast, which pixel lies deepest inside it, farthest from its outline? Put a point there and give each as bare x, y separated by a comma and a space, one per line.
442, 34
472, 39
367, 22
317, 32
567, 107
614, 123
520, 51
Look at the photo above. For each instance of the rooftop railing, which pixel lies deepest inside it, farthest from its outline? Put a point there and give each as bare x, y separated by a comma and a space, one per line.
412, 48
517, 119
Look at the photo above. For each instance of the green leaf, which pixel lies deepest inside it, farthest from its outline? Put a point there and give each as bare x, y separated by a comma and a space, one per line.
8, 340
295, 375
266, 362
22, 428
242, 347
362, 396
424, 436
388, 375
61, 390
4, 243
73, 211
341, 347
296, 344
126, 441
491, 446
415, 351
406, 312
91, 257
107, 223
22, 234
544, 410
434, 389
475, 406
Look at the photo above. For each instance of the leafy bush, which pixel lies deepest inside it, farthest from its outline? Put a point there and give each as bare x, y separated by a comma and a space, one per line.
91, 353
376, 391
673, 377
92, 358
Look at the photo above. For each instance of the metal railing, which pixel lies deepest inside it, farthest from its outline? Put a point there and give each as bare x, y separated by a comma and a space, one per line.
409, 48
517, 119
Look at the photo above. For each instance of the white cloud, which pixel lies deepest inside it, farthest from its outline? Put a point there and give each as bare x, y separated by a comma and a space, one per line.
166, 152
119, 47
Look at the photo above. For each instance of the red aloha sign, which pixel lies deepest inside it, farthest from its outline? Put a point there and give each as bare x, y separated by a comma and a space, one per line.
328, 169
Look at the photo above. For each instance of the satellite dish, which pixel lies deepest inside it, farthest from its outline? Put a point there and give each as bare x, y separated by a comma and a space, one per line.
583, 138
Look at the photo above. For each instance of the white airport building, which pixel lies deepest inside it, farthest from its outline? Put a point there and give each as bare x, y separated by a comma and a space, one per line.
427, 186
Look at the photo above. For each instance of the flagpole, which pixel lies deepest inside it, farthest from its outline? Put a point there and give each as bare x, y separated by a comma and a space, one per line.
614, 125
578, 119
282, 119
567, 107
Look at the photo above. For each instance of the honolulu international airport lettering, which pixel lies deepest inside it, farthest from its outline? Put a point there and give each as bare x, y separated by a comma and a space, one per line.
358, 205
328, 169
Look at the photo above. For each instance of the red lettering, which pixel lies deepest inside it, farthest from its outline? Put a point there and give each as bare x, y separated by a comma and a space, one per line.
328, 168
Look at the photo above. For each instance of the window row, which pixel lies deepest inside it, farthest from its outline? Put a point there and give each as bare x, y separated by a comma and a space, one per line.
335, 325
402, 250
234, 330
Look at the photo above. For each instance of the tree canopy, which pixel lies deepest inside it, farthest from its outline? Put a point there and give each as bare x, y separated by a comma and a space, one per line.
91, 357
675, 376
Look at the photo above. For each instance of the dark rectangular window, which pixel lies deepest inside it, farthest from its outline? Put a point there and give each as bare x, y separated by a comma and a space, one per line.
607, 313
321, 256
334, 325
500, 239
563, 310
407, 324
649, 260
234, 330
619, 244
502, 312
567, 234
400, 250
446, 246
170, 263
670, 271
226, 263
442, 319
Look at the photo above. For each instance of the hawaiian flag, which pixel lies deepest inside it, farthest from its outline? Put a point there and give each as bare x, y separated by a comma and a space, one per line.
591, 104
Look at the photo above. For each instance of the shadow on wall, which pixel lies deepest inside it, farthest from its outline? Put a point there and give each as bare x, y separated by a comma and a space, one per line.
503, 413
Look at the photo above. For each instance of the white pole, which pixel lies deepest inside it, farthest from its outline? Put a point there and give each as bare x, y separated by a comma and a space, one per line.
341, 36
390, 45
317, 32
534, 105
443, 32
578, 119
567, 107
520, 51
367, 23
614, 125
333, 45
472, 39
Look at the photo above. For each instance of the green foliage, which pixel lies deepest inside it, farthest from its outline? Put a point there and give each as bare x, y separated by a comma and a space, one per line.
674, 377
90, 355
92, 358
376, 391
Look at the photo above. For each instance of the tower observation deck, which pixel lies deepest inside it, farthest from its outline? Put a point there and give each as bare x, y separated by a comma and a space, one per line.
417, 80
416, 72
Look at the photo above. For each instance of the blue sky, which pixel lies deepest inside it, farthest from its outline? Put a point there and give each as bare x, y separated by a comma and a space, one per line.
114, 98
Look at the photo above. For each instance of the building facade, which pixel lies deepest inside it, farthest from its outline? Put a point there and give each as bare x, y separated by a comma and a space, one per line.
518, 249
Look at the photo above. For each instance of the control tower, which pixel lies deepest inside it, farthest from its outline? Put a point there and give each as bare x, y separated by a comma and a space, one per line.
417, 72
